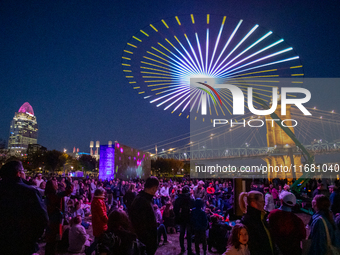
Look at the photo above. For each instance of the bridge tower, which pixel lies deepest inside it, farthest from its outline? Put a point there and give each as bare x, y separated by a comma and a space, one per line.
285, 151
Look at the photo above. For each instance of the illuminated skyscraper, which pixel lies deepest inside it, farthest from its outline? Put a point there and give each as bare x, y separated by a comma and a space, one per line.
23, 129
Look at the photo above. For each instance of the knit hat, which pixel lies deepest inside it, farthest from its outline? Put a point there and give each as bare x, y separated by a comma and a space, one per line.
185, 189
288, 198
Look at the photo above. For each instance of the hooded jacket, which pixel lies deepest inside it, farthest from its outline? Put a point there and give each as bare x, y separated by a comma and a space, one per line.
182, 207
143, 221
199, 219
259, 237
99, 216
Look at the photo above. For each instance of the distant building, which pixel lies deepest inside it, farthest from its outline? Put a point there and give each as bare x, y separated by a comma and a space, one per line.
23, 129
33, 148
118, 161
95, 153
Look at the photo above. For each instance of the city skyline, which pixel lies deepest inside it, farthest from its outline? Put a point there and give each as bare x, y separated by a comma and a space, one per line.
65, 60
23, 129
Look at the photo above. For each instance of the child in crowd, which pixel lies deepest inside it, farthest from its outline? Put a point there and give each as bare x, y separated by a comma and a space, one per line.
78, 238
78, 211
238, 241
169, 218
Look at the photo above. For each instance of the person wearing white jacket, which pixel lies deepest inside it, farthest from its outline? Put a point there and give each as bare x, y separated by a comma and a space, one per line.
269, 200
77, 236
238, 241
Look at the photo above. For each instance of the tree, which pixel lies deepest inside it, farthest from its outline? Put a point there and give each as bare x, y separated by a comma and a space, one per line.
54, 159
167, 165
88, 162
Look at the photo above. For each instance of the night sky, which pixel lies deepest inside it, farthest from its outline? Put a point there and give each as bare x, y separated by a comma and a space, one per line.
64, 58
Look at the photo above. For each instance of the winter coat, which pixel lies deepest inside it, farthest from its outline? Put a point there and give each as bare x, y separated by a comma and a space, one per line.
259, 236
199, 221
287, 231
200, 193
99, 216
120, 242
269, 203
318, 235
128, 198
77, 237
210, 190
182, 206
23, 217
144, 221
218, 236
242, 250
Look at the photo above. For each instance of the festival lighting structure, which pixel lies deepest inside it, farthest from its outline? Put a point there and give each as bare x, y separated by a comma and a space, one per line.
161, 58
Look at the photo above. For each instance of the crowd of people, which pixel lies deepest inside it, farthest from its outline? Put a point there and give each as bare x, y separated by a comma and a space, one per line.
136, 216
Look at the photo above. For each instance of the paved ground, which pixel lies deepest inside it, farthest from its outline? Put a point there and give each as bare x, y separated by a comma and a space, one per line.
173, 248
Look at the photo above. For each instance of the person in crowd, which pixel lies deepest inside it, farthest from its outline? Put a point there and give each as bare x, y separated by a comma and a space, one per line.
335, 199
287, 229
77, 236
75, 191
23, 215
217, 234
78, 211
120, 239
108, 189
116, 193
254, 219
99, 218
123, 188
200, 191
269, 200
164, 193
238, 241
199, 223
130, 196
286, 188
142, 216
82, 191
220, 195
321, 226
92, 189
318, 190
169, 217
56, 210
161, 230
280, 189
274, 193
41, 188
38, 180
182, 207
211, 189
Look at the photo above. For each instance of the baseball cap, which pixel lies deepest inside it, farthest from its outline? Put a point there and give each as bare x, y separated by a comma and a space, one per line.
288, 198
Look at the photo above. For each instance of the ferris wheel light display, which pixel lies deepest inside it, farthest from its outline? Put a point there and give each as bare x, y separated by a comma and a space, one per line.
161, 59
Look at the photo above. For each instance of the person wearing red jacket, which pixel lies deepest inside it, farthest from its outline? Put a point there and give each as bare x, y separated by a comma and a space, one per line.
99, 218
287, 229
210, 189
